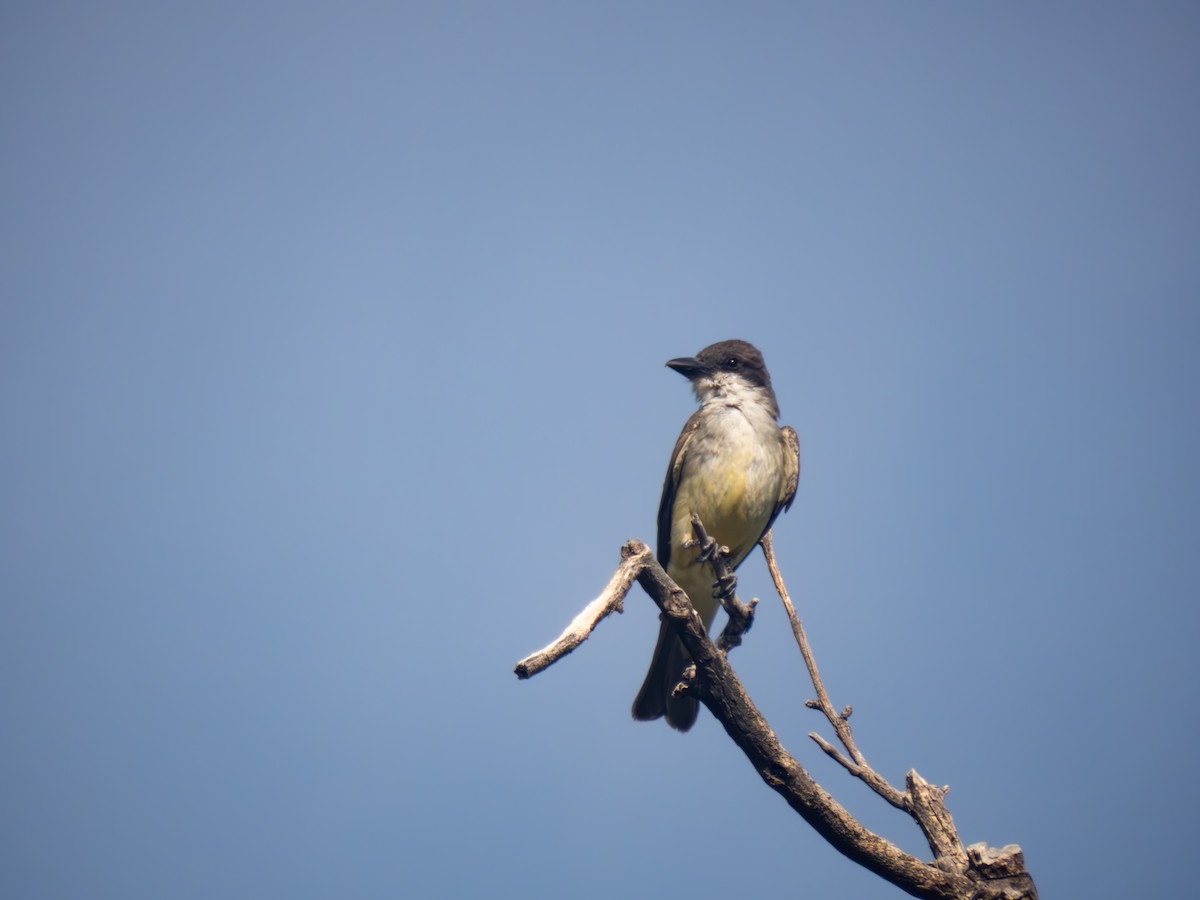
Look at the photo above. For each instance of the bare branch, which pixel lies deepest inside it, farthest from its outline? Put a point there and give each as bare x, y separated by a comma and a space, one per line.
833, 753
634, 556
840, 721
924, 802
720, 690
928, 805
976, 873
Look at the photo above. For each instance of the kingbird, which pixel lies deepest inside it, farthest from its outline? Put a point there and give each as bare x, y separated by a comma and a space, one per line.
736, 469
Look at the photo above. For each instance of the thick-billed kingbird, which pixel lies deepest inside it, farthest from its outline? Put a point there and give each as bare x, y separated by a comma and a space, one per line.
736, 469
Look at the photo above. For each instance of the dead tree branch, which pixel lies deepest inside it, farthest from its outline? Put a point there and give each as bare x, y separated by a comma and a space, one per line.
611, 599
924, 802
976, 873
857, 764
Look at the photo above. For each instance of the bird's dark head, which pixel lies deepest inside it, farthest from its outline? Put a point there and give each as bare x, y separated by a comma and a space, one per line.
734, 358
726, 370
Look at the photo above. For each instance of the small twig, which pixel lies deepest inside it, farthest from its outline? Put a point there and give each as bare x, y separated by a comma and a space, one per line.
840, 722
633, 560
736, 625
834, 753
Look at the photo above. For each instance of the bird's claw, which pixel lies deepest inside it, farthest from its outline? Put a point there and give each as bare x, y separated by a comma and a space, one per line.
710, 550
725, 587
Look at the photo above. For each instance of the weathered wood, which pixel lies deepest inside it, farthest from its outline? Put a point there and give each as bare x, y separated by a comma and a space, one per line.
976, 873
611, 600
928, 806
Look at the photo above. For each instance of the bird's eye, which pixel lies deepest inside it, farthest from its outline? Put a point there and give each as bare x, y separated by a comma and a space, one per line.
732, 362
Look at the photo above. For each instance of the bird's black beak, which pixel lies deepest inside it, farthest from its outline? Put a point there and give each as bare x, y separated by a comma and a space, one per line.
688, 366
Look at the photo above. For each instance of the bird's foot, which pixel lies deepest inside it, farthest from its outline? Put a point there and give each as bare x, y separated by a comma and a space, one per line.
709, 550
725, 587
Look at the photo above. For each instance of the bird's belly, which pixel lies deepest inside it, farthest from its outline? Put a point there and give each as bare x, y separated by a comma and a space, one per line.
734, 489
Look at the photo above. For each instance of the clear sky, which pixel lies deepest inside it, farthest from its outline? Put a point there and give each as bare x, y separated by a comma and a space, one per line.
331, 381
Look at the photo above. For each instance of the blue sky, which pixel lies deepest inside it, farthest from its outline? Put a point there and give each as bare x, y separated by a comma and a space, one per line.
331, 349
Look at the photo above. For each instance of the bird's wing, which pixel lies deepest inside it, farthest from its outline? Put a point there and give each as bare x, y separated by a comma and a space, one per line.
670, 484
791, 477
791, 462
791, 474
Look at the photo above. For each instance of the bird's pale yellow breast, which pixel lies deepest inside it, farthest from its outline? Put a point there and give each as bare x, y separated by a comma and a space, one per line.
731, 478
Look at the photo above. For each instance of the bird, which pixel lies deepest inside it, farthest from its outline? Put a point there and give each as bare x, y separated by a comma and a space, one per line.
737, 469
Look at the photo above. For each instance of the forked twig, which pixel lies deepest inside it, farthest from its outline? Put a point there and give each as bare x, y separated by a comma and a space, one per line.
857, 764
922, 800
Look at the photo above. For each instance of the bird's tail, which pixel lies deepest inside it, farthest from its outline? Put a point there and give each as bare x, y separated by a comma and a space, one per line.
656, 698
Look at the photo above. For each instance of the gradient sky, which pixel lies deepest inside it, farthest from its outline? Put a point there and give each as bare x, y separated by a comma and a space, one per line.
331, 381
